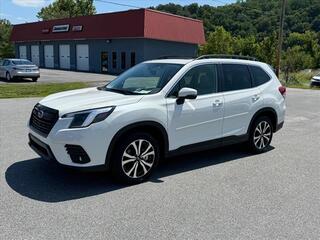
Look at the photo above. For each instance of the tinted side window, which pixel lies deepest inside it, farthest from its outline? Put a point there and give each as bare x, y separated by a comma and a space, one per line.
6, 63
259, 75
236, 77
202, 78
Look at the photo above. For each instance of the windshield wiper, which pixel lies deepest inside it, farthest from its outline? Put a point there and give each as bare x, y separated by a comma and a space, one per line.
122, 91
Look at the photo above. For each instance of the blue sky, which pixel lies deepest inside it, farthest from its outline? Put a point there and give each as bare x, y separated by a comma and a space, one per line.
21, 11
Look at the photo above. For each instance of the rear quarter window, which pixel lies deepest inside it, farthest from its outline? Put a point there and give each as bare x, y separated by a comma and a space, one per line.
259, 75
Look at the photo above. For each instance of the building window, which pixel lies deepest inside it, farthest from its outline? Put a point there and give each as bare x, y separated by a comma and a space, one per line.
104, 61
114, 60
133, 59
123, 60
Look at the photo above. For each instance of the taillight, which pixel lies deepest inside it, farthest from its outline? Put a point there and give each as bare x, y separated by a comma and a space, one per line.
283, 91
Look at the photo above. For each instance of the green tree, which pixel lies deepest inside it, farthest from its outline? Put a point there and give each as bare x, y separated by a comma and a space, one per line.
246, 46
266, 51
219, 42
6, 47
67, 9
295, 59
316, 24
309, 43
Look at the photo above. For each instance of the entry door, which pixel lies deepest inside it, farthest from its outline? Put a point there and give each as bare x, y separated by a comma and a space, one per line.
35, 55
48, 56
196, 120
23, 52
83, 57
104, 62
64, 51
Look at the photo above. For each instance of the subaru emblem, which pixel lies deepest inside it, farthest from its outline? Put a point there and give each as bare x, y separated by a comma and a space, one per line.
40, 114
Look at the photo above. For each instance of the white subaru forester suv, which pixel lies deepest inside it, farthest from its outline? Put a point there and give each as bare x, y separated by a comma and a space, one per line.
158, 109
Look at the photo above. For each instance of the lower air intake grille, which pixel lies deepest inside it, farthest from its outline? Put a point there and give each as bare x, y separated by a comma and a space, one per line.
77, 154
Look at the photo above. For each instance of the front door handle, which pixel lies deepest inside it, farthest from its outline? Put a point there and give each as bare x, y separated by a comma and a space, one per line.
255, 97
217, 103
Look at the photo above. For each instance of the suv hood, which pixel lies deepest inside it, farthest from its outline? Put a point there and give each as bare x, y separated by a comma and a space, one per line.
88, 98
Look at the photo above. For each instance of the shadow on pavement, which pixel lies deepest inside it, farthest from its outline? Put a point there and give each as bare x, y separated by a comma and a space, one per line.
48, 182
16, 80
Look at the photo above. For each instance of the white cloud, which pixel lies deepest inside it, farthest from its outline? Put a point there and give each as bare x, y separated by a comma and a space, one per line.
29, 3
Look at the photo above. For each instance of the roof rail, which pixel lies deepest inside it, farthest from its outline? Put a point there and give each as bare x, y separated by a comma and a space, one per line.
176, 57
226, 56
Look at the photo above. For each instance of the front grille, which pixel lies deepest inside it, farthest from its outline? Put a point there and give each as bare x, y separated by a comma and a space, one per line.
77, 154
43, 119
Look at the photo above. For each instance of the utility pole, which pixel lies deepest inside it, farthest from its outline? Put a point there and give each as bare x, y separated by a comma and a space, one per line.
280, 40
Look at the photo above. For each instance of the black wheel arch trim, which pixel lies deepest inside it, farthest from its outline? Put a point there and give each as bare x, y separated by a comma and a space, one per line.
143, 124
261, 112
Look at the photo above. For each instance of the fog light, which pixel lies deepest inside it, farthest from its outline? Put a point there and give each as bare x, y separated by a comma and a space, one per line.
77, 154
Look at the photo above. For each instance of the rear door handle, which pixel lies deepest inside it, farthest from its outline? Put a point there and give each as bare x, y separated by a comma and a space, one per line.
255, 97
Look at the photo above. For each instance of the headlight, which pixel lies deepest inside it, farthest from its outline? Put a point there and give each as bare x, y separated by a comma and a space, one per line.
86, 118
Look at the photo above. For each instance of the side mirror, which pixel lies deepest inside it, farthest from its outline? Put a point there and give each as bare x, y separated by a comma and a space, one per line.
186, 93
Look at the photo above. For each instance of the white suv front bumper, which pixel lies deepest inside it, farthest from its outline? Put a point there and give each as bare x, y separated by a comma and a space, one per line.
94, 140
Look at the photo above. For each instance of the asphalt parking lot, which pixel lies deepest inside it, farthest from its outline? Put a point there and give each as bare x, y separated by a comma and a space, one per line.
218, 194
60, 76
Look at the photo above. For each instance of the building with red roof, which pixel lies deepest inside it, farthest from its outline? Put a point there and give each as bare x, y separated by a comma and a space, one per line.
110, 42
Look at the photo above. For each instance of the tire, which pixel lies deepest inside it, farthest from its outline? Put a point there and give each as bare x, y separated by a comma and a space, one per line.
34, 79
260, 135
8, 77
129, 165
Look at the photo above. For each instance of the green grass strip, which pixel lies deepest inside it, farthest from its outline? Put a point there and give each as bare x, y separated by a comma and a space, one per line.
17, 90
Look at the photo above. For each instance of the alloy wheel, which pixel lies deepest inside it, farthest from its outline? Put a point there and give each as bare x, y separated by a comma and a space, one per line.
138, 158
262, 135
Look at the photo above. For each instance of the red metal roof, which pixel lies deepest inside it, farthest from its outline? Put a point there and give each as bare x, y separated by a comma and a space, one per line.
141, 23
164, 26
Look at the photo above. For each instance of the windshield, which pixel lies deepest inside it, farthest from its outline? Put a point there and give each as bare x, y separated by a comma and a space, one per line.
21, 62
144, 78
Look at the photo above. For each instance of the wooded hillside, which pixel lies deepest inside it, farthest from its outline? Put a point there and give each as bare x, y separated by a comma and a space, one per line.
250, 28
253, 17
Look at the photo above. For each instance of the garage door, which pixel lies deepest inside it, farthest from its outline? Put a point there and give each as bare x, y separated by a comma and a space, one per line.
83, 57
64, 52
23, 52
35, 55
48, 56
